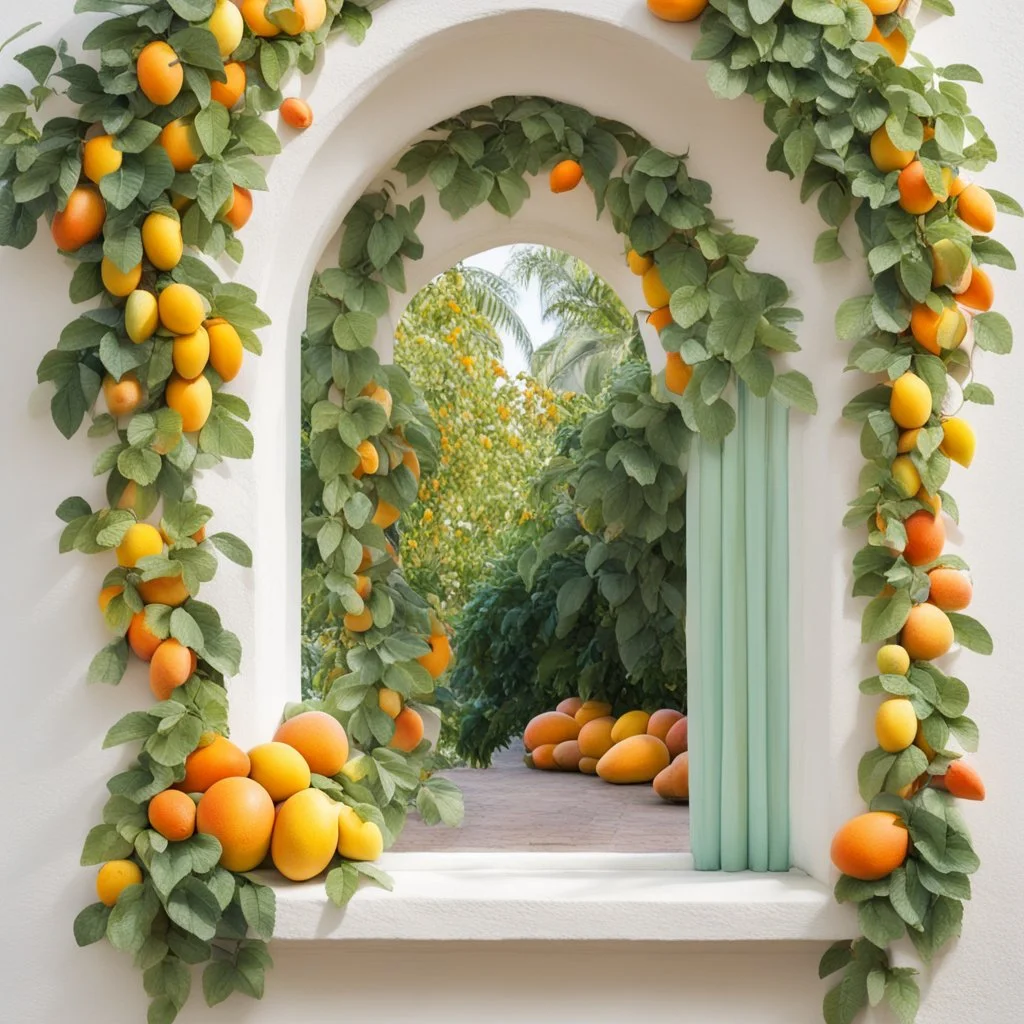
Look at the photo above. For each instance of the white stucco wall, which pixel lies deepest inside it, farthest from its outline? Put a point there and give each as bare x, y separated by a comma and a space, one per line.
424, 60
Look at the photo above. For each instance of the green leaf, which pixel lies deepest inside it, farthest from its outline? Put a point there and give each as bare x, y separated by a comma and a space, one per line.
879, 922
258, 905
689, 304
439, 801
104, 843
110, 664
218, 981
970, 633
837, 956
992, 332
793, 389
91, 924
884, 617
232, 547
226, 436
194, 908
903, 996
354, 331
341, 884
872, 771
827, 247
213, 126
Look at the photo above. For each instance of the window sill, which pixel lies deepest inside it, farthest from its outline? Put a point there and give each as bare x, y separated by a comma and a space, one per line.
575, 896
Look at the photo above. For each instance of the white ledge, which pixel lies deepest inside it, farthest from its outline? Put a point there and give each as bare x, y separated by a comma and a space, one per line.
578, 896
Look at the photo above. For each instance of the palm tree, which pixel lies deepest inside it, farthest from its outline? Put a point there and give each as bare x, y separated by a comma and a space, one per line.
593, 330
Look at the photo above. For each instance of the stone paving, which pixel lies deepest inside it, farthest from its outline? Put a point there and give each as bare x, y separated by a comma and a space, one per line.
510, 808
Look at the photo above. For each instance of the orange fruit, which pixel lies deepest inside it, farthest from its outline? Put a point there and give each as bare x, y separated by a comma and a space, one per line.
380, 395
81, 220
408, 731
937, 332
114, 877
655, 292
927, 633
161, 75
141, 639
209, 763
168, 590
963, 781
230, 92
190, 353
979, 294
226, 349
977, 209
162, 241
638, 264
390, 702
660, 318
677, 10
369, 459
385, 514
439, 658
543, 757
951, 589
280, 769
106, 595
319, 738
239, 208
240, 814
411, 461
364, 586
870, 846
192, 399
895, 43
116, 281
170, 667
882, 6
255, 14
140, 540
100, 158
122, 396
173, 814
181, 143
926, 537
360, 622
595, 738
916, 196
565, 176
296, 113
677, 373
886, 156
569, 706
181, 308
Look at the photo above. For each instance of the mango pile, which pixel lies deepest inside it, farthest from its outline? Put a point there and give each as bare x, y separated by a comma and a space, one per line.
634, 747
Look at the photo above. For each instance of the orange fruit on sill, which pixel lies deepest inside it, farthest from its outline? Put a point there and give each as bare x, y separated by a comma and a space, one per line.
296, 113
81, 220
677, 10
173, 814
565, 176
870, 846
211, 762
305, 837
319, 738
240, 814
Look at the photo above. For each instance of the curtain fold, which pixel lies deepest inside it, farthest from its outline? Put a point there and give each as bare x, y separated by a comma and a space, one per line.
737, 628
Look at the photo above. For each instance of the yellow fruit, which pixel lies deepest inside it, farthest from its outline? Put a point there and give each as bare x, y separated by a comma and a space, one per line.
114, 877
122, 396
907, 441
227, 25
226, 350
977, 209
951, 264
655, 292
439, 658
161, 240
181, 308
635, 759
639, 264
141, 316
389, 702
161, 75
595, 737
140, 541
116, 281
893, 660
357, 768
908, 479
169, 590
885, 155
882, 6
358, 839
181, 144
305, 835
895, 724
191, 399
895, 44
958, 440
240, 814
191, 353
100, 158
590, 710
911, 402
280, 769
308, 16
938, 332
632, 723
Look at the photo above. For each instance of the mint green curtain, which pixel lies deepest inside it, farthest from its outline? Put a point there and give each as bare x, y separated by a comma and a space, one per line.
737, 629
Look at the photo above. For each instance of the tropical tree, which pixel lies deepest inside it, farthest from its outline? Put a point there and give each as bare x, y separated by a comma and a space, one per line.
593, 330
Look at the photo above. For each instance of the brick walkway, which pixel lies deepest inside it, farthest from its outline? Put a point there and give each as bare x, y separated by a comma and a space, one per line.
510, 808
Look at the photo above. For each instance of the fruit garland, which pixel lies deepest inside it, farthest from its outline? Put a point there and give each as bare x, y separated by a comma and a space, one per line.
853, 123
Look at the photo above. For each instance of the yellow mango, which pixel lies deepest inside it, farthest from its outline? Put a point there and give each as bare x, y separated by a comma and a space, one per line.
305, 835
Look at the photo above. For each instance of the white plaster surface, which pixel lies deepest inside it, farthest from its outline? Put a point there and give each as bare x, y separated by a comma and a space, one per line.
424, 60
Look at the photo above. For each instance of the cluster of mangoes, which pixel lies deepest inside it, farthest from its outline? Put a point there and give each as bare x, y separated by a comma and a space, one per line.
635, 747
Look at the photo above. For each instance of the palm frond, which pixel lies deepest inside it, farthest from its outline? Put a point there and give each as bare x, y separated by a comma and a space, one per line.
496, 299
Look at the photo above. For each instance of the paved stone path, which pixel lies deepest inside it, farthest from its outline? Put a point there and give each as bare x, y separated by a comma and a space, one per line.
510, 808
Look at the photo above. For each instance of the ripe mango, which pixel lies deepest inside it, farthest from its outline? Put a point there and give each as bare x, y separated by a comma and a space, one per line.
358, 839
567, 755
632, 723
192, 399
592, 709
305, 835
958, 440
677, 738
635, 759
162, 241
910, 402
595, 739
550, 727
588, 765
191, 353
570, 705
673, 783
543, 757
906, 476
951, 264
661, 721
